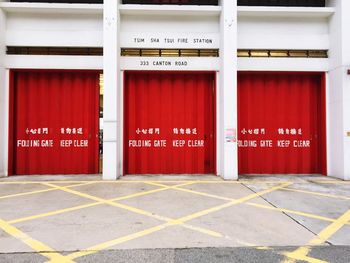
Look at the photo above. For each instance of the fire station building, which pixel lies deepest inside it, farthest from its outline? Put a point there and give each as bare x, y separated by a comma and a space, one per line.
136, 87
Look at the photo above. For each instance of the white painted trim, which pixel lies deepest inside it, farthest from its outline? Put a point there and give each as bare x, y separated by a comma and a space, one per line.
179, 10
121, 122
328, 124
219, 127
53, 62
6, 122
111, 157
53, 8
284, 64
269, 11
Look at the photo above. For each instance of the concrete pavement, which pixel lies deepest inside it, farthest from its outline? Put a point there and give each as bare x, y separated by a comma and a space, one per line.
174, 219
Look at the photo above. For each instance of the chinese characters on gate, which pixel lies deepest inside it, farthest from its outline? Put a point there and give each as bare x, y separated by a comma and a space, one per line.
292, 141
163, 143
49, 142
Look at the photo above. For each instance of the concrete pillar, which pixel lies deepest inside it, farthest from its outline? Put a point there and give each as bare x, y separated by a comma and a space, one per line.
3, 99
111, 169
228, 91
339, 92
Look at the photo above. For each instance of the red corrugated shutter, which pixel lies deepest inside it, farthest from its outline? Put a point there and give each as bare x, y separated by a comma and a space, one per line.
54, 122
181, 106
281, 126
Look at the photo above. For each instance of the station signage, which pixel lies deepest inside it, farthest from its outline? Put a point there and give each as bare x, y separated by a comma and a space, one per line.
171, 63
170, 40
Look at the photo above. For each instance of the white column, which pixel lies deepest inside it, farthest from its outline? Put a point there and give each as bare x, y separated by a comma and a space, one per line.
339, 92
228, 91
111, 169
3, 99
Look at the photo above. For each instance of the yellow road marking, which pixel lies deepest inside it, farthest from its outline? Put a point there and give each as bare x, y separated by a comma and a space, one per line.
125, 181
247, 244
255, 204
179, 221
36, 245
117, 241
231, 203
192, 191
40, 182
302, 252
61, 211
137, 210
292, 212
57, 212
317, 193
40, 191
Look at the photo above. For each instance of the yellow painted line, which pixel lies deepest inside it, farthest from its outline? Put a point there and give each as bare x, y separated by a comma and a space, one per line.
203, 194
231, 203
57, 212
330, 230
137, 210
302, 257
27, 193
40, 182
317, 193
125, 181
71, 209
40, 191
292, 212
164, 187
321, 237
257, 205
36, 245
117, 241
179, 221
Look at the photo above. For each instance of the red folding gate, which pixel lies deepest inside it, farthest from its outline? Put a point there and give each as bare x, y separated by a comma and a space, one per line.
281, 123
169, 123
54, 122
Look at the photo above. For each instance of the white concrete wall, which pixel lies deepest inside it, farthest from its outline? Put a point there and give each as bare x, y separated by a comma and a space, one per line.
3, 98
227, 106
339, 92
169, 24
33, 29
261, 32
346, 86
111, 117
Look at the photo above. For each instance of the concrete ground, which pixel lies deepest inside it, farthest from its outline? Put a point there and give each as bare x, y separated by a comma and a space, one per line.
174, 219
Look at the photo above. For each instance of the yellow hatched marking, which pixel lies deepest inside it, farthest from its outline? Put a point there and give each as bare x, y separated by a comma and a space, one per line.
234, 202
61, 211
137, 210
302, 252
317, 193
192, 191
292, 212
255, 204
179, 221
36, 245
40, 191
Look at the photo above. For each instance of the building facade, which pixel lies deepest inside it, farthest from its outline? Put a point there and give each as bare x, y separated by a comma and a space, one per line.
175, 87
